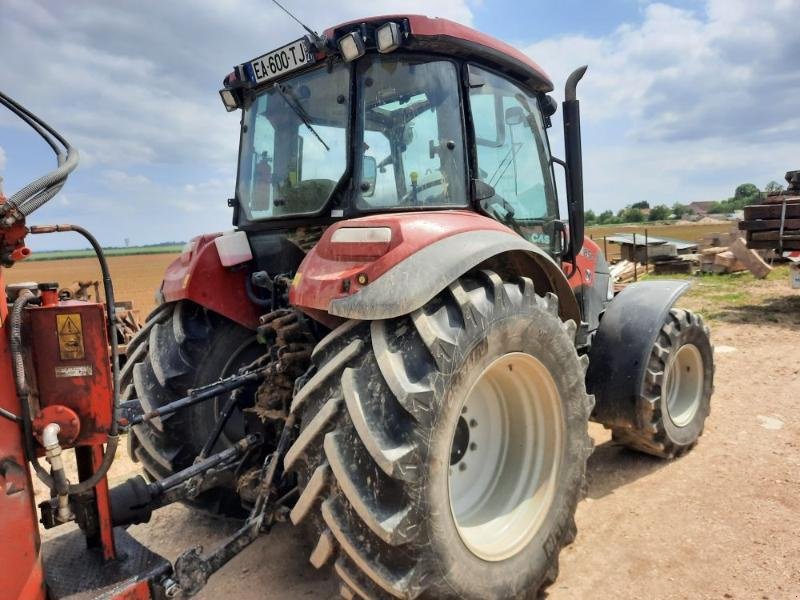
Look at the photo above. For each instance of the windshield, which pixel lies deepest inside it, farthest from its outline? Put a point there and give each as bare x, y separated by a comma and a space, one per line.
294, 144
413, 140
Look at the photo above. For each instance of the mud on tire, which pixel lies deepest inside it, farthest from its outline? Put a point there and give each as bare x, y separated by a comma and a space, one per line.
675, 398
376, 443
180, 347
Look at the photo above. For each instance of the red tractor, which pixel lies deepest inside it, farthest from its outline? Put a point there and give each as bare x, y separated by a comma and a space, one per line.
402, 343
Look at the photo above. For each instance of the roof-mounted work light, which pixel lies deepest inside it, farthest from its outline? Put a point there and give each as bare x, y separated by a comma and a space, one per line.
388, 37
351, 46
229, 100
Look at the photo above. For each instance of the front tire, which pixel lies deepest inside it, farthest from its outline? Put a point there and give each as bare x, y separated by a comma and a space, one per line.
675, 398
405, 501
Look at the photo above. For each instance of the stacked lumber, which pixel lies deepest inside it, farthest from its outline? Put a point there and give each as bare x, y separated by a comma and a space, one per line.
719, 259
733, 259
673, 266
751, 259
775, 223
762, 224
625, 271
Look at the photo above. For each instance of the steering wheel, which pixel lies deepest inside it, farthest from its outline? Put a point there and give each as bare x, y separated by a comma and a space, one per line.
409, 196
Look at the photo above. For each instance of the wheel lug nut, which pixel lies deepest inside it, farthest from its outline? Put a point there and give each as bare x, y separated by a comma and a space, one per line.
462, 467
473, 423
463, 410
473, 446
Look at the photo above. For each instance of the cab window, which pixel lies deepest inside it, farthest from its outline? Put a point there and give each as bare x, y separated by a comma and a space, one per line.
513, 157
413, 145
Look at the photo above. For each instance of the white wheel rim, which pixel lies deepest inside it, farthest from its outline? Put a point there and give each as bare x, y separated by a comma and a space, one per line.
683, 384
503, 484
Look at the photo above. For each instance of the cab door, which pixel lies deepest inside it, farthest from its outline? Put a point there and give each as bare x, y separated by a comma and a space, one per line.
513, 160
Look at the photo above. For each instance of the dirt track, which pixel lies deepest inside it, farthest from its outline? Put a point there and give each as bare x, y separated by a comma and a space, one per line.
722, 522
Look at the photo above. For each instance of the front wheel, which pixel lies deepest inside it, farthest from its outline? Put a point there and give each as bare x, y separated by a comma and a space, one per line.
442, 454
675, 398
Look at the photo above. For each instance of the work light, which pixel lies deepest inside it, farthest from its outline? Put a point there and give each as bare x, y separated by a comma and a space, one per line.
388, 37
229, 100
351, 46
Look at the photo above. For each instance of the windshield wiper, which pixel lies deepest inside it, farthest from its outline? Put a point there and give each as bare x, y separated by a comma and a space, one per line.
302, 115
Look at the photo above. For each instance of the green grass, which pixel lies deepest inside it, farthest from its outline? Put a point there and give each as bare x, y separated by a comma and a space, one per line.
87, 253
740, 297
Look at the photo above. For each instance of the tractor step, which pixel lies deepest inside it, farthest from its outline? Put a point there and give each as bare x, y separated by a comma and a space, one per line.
67, 555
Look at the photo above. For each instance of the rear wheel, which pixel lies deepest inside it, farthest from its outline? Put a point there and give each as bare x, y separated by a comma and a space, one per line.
443, 453
183, 346
675, 399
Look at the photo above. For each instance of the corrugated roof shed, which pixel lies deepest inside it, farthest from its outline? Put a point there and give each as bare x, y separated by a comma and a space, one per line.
627, 238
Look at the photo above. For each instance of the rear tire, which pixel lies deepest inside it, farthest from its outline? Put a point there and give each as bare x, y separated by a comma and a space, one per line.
382, 443
183, 346
675, 399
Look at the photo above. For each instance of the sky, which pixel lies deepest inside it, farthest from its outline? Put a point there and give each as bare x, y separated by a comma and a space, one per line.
682, 101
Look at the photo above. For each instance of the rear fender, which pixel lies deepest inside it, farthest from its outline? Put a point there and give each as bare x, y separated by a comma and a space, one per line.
621, 348
428, 252
198, 275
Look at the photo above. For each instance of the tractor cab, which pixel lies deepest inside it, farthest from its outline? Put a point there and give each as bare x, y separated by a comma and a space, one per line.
394, 114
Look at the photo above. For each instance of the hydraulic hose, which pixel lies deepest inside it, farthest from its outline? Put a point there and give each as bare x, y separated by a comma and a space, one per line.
36, 193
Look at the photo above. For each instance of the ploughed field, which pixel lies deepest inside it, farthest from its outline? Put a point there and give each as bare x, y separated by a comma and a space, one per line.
136, 277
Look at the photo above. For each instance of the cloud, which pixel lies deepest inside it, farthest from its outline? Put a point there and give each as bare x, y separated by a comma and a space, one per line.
137, 84
687, 103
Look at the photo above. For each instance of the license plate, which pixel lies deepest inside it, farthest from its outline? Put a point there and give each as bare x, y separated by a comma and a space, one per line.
281, 61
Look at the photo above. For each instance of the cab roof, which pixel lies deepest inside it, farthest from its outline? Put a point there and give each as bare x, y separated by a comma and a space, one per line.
448, 37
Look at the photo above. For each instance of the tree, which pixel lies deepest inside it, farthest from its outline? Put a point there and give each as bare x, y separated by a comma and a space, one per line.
773, 187
681, 210
745, 194
606, 218
719, 208
642, 204
632, 215
658, 213
589, 217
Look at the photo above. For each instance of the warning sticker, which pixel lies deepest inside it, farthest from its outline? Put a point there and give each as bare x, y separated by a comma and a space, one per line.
70, 336
76, 371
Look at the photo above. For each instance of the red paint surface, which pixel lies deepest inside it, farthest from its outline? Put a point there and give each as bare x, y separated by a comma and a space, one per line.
87, 396
325, 269
68, 421
103, 503
422, 26
200, 277
21, 574
138, 591
587, 262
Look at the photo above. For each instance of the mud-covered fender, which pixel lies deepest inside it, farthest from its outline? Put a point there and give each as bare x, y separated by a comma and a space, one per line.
198, 275
414, 281
622, 344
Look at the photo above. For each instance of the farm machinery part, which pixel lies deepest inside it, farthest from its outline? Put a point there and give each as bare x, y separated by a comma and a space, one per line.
401, 344
127, 319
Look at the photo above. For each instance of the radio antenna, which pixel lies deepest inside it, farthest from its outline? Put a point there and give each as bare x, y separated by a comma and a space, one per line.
311, 32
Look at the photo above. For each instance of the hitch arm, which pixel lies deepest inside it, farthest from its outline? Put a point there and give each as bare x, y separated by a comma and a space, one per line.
192, 569
133, 415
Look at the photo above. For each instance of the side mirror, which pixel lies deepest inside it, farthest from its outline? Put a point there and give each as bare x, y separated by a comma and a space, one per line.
369, 175
549, 105
514, 115
574, 161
